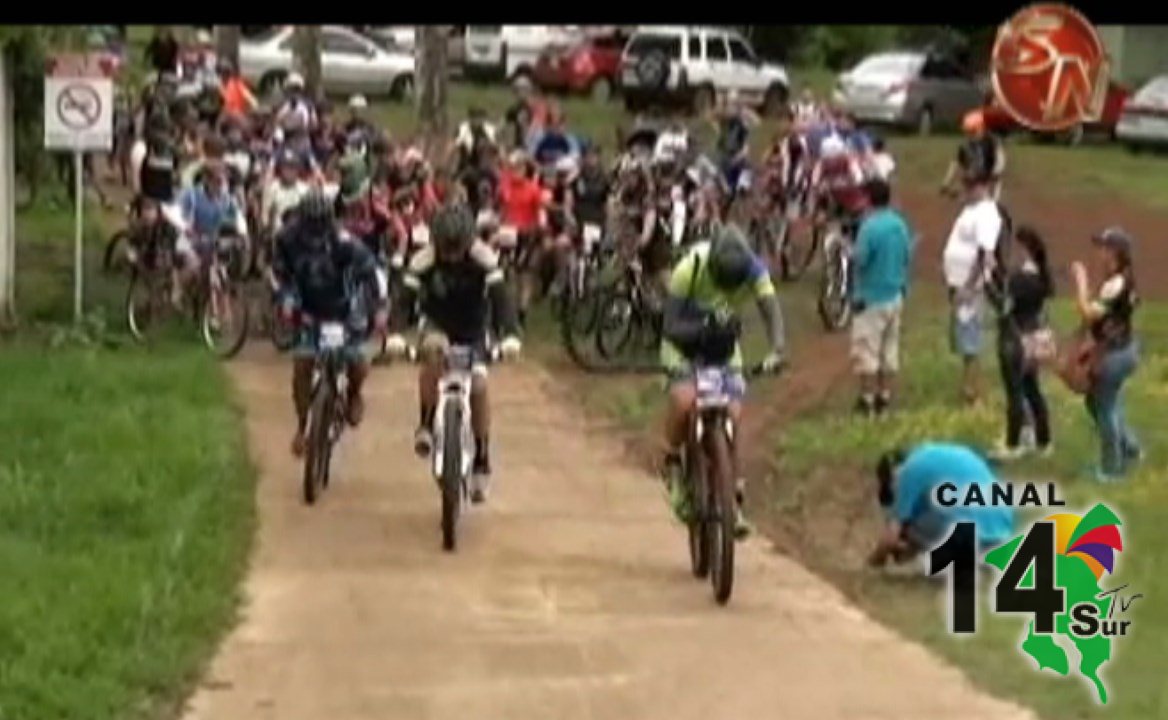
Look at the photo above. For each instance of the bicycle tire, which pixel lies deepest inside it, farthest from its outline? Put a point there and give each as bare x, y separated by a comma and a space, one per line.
135, 324
115, 247
720, 489
833, 303
698, 526
610, 301
316, 456
233, 292
451, 484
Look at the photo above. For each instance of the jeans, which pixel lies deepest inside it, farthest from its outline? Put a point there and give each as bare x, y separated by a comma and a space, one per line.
1117, 442
1023, 392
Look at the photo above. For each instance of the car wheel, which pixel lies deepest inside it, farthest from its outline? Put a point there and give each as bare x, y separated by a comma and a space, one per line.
402, 88
775, 102
925, 121
703, 99
272, 83
601, 90
653, 70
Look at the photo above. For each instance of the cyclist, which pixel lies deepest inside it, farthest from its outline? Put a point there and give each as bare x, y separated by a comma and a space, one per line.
980, 157
207, 208
152, 237
838, 182
475, 134
326, 278
706, 289
283, 193
455, 278
296, 103
881, 164
521, 205
733, 143
238, 99
590, 189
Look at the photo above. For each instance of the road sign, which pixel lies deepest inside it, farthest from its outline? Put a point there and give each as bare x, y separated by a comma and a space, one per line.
79, 104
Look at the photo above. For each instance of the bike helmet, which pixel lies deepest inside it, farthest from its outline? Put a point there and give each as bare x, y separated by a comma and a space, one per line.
566, 165
833, 146
731, 263
316, 208
452, 229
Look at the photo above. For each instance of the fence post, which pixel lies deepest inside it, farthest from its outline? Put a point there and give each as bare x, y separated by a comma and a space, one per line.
7, 196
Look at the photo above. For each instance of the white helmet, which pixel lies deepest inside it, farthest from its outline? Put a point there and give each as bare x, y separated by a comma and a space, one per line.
294, 79
358, 102
832, 147
566, 165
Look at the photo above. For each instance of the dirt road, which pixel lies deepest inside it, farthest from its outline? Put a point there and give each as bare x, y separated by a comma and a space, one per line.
570, 596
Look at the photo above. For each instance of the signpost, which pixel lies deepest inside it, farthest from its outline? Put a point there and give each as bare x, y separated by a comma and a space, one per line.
79, 117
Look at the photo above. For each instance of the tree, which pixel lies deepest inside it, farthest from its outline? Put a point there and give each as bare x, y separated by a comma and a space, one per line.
227, 43
307, 52
432, 86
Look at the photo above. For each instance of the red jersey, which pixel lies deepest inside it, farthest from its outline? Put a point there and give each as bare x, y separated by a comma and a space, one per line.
843, 181
522, 201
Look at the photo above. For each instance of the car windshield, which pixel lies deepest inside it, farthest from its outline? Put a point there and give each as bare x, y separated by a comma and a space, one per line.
900, 64
1154, 92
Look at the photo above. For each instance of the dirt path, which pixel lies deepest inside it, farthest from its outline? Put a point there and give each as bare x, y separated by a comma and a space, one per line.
569, 598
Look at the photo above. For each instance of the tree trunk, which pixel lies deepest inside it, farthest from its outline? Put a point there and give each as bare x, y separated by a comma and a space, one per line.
227, 43
432, 87
307, 59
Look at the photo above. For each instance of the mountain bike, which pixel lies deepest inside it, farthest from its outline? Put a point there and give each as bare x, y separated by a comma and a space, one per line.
452, 456
708, 473
326, 413
626, 321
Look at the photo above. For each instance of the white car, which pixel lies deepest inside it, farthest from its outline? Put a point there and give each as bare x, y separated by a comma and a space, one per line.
350, 62
692, 65
505, 52
1143, 122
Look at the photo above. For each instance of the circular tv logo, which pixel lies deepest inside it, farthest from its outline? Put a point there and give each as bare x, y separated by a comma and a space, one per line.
1049, 68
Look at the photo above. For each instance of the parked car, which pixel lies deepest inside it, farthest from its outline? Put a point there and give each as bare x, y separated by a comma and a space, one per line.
504, 52
403, 38
1143, 121
693, 65
999, 121
910, 89
350, 62
591, 66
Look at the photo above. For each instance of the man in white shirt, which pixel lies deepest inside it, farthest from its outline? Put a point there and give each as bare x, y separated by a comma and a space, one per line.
967, 262
672, 143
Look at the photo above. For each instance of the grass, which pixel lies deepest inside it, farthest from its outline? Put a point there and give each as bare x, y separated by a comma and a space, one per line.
126, 509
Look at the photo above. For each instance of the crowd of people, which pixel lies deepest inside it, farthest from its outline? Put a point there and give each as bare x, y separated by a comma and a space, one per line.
353, 224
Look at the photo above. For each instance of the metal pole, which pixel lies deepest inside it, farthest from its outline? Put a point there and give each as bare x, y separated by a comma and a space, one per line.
79, 190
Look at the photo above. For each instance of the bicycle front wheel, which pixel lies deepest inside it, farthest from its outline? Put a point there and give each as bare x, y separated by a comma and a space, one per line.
225, 318
318, 452
451, 481
722, 512
698, 527
616, 324
835, 307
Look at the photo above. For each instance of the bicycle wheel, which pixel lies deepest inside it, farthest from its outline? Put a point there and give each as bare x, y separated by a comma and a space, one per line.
616, 324
317, 454
117, 252
698, 527
145, 304
834, 306
722, 515
224, 329
283, 334
451, 473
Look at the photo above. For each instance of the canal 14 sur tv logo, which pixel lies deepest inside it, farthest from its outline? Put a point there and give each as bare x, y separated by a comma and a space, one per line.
1051, 572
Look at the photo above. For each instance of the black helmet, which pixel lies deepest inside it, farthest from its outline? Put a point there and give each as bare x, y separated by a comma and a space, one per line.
316, 208
452, 229
732, 264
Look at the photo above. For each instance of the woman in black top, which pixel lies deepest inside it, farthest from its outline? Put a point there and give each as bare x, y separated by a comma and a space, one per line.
1109, 316
1027, 287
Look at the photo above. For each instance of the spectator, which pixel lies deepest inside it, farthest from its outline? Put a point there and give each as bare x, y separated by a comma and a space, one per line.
907, 483
1109, 317
967, 261
162, 51
1022, 332
474, 134
238, 99
553, 142
882, 260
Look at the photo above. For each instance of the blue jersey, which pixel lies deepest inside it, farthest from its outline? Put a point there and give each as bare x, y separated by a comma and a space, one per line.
927, 467
858, 141
816, 134
207, 214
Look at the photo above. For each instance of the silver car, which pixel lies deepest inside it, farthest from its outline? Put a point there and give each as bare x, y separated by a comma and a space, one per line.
350, 62
1143, 122
908, 89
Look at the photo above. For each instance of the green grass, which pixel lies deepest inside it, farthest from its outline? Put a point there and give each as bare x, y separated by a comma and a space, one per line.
126, 509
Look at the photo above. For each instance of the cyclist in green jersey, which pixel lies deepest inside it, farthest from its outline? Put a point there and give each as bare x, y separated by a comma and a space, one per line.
706, 289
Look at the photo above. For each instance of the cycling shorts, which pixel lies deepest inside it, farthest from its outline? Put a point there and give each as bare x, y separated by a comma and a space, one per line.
434, 340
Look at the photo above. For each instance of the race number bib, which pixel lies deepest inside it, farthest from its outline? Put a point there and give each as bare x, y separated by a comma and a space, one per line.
710, 381
420, 234
591, 235
332, 335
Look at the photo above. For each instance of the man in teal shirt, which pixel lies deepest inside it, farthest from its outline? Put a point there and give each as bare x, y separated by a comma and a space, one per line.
881, 262
907, 485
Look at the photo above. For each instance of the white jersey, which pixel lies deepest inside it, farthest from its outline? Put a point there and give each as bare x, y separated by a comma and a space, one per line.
671, 145
279, 199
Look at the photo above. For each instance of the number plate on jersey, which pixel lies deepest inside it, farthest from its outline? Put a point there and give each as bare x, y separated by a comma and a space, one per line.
710, 381
332, 336
591, 234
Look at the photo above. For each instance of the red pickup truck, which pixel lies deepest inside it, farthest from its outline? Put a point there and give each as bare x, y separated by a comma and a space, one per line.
999, 121
589, 67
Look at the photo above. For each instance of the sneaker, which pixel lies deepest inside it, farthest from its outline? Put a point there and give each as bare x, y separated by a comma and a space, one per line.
423, 442
742, 526
480, 480
355, 410
299, 442
1046, 451
1005, 453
